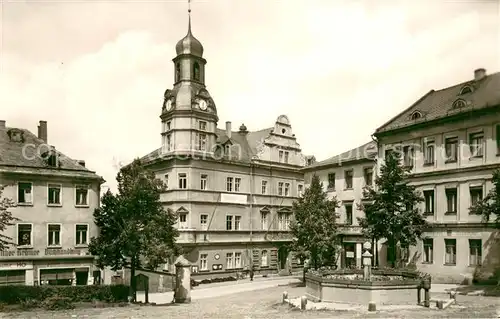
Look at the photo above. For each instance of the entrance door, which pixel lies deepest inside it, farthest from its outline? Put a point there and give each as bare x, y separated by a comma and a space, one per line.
81, 277
350, 255
282, 257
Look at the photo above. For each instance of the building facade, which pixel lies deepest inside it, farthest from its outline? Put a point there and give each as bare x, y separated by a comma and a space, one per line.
55, 198
231, 189
450, 138
344, 176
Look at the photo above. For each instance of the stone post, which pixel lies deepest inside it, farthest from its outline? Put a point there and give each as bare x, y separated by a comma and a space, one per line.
285, 296
303, 303
367, 265
427, 297
182, 292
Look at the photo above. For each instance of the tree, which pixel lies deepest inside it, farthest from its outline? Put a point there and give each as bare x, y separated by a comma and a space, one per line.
314, 227
135, 230
6, 219
391, 208
489, 206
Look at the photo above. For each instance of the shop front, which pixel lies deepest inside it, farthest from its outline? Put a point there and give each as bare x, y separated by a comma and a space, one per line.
66, 273
16, 273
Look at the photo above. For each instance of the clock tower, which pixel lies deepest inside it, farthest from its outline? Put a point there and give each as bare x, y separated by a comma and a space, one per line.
189, 116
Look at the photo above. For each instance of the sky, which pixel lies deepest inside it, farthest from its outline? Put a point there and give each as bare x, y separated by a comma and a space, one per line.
97, 70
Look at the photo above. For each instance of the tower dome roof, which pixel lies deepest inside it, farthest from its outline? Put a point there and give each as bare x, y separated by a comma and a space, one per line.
189, 44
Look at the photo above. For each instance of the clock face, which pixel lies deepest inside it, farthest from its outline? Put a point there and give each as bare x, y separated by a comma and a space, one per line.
168, 105
203, 105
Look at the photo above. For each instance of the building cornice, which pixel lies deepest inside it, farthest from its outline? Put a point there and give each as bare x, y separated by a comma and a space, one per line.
316, 167
455, 171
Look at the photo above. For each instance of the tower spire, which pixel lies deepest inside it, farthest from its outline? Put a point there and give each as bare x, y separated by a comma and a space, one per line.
189, 16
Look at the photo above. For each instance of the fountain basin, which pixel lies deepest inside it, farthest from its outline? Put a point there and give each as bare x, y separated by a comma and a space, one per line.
348, 286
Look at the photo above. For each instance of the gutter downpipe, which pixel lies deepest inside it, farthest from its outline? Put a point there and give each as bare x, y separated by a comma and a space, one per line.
375, 245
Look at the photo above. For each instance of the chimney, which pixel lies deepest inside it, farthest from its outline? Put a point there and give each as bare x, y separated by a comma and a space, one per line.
228, 129
42, 131
81, 162
479, 74
2, 124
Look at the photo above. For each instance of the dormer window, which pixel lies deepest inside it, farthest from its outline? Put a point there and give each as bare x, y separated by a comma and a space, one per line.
416, 115
52, 160
196, 71
16, 135
459, 104
465, 90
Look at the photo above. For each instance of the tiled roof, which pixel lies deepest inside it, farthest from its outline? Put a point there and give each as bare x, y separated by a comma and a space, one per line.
248, 143
439, 104
366, 151
21, 156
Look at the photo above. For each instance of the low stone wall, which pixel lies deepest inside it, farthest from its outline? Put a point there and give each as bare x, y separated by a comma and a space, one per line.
339, 290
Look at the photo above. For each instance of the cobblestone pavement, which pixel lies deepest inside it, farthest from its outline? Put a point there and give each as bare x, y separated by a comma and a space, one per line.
263, 304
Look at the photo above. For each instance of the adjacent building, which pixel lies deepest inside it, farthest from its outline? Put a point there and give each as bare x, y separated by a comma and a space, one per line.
450, 138
344, 176
55, 197
232, 189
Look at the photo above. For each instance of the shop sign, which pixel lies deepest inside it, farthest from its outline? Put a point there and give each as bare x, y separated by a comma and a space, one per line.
62, 252
19, 252
15, 265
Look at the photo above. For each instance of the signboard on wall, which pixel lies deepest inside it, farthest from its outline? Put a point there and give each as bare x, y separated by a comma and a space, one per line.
16, 265
233, 198
45, 252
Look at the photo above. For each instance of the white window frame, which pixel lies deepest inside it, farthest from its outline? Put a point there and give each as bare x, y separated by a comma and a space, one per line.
86, 239
230, 260
168, 141
432, 252
286, 157
473, 147
203, 181
264, 220
237, 218
264, 258
237, 260
300, 190
183, 224
179, 180
280, 156
232, 222
286, 189
479, 261
60, 194
31, 236
204, 225
237, 184
203, 261
475, 188
166, 181
82, 186
229, 183
263, 187
455, 254
60, 235
32, 194
280, 188
351, 173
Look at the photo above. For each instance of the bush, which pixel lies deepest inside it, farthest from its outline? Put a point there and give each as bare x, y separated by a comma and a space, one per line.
30, 294
28, 304
57, 303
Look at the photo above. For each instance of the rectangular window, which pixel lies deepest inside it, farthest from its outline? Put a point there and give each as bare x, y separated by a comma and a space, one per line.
348, 179
204, 221
368, 176
428, 250
54, 235
24, 235
476, 144
286, 157
237, 222
498, 138
408, 156
287, 189
476, 195
168, 142
475, 252
280, 155
237, 184
451, 148
229, 222
82, 234
281, 221
166, 181
24, 193
237, 260
202, 125
264, 187
229, 184
264, 221
54, 194
264, 258
429, 202
182, 180
202, 142
168, 126
81, 195
331, 181
280, 188
451, 200
203, 262
229, 261
450, 251
348, 214
429, 152
183, 221
203, 181
300, 190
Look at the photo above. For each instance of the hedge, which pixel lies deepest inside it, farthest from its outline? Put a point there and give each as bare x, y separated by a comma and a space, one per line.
21, 294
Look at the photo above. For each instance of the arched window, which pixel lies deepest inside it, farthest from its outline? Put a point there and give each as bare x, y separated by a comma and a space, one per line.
416, 115
196, 71
177, 72
459, 104
264, 259
465, 90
